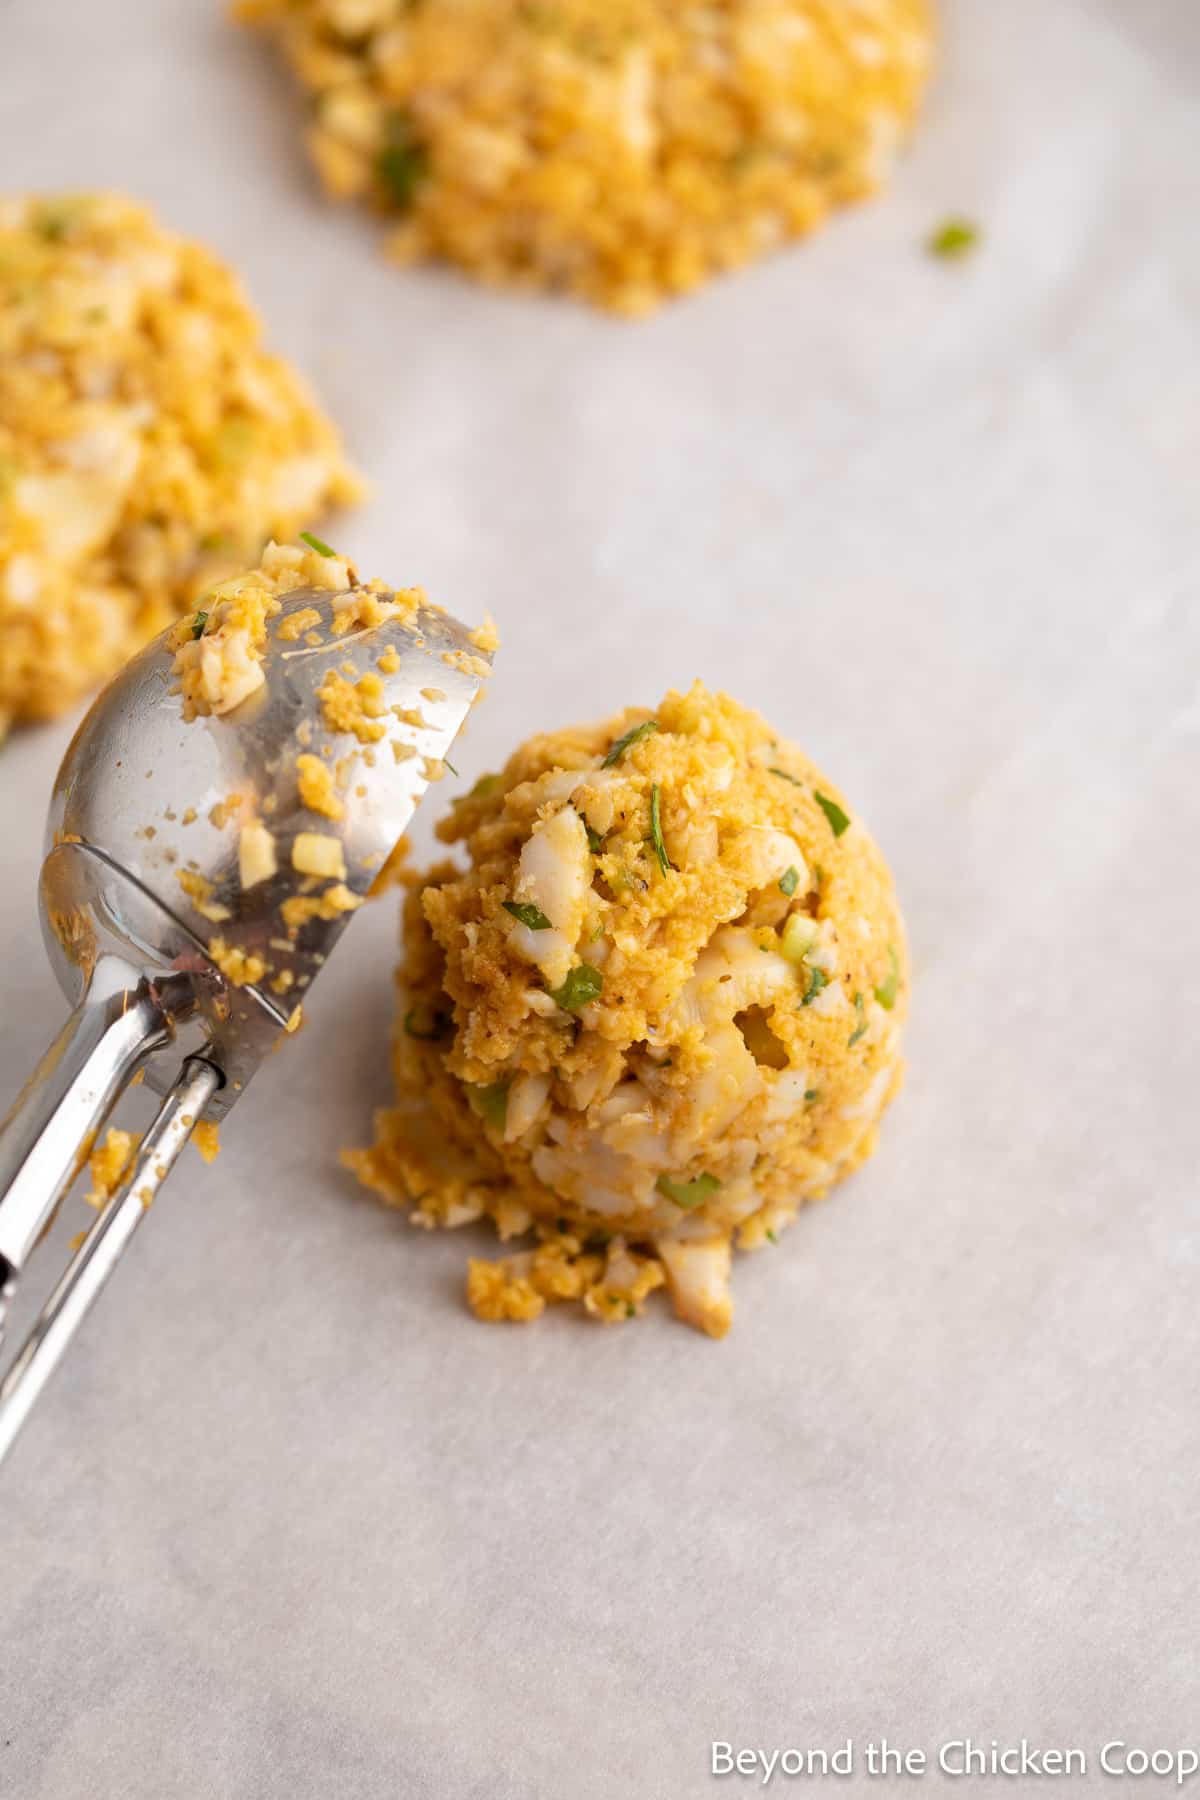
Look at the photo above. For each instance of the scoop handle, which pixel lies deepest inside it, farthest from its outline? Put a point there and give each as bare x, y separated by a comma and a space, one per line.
50, 1130
101, 1250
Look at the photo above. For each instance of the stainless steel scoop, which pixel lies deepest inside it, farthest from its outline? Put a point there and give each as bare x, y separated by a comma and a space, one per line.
142, 799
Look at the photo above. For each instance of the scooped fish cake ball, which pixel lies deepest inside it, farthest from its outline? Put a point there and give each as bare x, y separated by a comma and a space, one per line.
658, 1010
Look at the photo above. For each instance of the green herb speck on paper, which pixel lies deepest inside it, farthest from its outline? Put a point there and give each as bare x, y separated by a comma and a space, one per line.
583, 985
491, 1103
198, 624
789, 881
771, 1235
887, 990
860, 1007
954, 237
315, 543
525, 913
839, 821
688, 1193
403, 162
656, 837
817, 979
633, 736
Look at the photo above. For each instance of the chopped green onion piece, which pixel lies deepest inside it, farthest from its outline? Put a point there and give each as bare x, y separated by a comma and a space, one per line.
687, 1193
198, 624
800, 933
887, 990
423, 1022
789, 881
633, 736
595, 841
316, 543
817, 979
525, 913
784, 776
403, 163
860, 1028
447, 764
630, 1310
838, 820
811, 1094
491, 1103
953, 238
656, 836
582, 985
771, 1235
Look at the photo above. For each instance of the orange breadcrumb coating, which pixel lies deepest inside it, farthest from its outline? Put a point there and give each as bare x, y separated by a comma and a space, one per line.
658, 1010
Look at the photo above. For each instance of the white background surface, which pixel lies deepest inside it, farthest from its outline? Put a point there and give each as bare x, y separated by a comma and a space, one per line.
291, 1524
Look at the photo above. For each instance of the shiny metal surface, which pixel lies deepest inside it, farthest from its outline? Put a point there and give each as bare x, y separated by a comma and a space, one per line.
162, 798
68, 1097
98, 1255
152, 936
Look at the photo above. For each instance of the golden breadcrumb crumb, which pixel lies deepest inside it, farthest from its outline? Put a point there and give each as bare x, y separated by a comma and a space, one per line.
242, 968
314, 780
109, 1163
207, 1139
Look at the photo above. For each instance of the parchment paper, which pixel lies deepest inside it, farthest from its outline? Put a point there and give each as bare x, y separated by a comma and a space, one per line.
291, 1524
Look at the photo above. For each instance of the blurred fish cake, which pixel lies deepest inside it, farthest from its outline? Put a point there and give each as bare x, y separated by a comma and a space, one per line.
623, 150
149, 443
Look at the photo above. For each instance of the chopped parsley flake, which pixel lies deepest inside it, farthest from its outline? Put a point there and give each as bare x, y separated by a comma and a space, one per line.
789, 881
887, 990
491, 1103
583, 984
784, 776
771, 1235
447, 764
633, 736
817, 979
860, 1028
423, 1022
484, 785
525, 913
403, 162
595, 841
811, 1094
198, 624
656, 836
316, 543
688, 1193
838, 820
953, 238
630, 1310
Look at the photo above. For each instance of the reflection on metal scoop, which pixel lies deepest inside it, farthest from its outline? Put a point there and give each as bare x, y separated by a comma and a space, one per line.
142, 877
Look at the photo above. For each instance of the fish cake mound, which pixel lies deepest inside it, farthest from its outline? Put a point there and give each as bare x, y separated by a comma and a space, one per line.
149, 444
658, 1010
623, 150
